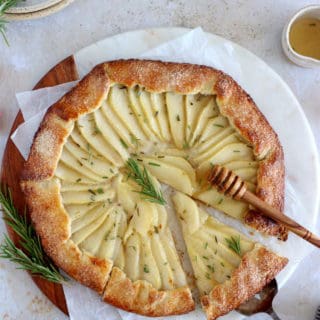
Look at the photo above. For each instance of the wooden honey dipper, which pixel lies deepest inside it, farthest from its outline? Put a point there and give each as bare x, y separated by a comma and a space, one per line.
232, 185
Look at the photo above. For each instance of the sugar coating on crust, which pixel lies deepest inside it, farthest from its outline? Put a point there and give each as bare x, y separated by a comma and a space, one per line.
257, 268
52, 224
156, 76
85, 97
140, 297
46, 148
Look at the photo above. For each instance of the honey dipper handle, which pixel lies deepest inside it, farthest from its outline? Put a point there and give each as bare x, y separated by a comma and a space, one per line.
232, 185
280, 217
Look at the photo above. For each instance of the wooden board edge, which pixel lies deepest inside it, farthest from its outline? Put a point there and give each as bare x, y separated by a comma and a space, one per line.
12, 163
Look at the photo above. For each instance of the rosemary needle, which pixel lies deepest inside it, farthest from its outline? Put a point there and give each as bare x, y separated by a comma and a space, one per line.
31, 258
234, 244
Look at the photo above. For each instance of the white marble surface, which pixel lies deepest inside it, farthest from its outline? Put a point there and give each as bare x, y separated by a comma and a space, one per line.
38, 45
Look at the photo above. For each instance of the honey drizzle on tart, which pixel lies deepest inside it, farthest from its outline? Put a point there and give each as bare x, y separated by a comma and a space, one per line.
176, 136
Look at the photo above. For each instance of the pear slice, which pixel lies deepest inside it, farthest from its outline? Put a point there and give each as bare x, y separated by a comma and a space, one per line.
149, 270
176, 161
119, 102
207, 113
132, 256
93, 242
88, 196
83, 233
213, 147
177, 119
165, 271
114, 120
179, 276
170, 174
195, 105
65, 173
120, 259
78, 165
206, 145
145, 218
110, 135
88, 217
215, 199
128, 195
65, 186
247, 174
239, 164
149, 250
133, 96
228, 153
78, 139
114, 232
187, 210
214, 126
76, 211
96, 164
92, 135
149, 113
160, 112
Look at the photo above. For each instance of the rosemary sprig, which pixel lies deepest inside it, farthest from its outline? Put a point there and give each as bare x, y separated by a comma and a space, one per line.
143, 179
234, 244
4, 6
31, 258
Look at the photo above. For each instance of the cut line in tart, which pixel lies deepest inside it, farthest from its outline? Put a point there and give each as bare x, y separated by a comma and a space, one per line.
174, 121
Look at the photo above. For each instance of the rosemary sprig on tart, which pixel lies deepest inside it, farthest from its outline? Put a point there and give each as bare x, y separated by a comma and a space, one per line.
143, 179
31, 258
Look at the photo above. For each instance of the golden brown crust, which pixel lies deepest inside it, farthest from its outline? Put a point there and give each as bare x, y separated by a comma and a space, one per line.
52, 224
46, 148
257, 268
270, 188
85, 97
140, 297
157, 76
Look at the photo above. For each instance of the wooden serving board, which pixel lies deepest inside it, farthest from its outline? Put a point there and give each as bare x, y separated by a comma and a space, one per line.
12, 165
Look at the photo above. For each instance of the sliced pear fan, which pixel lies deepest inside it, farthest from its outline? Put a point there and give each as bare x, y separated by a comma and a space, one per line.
207, 243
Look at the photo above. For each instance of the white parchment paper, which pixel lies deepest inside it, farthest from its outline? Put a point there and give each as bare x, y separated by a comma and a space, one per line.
192, 47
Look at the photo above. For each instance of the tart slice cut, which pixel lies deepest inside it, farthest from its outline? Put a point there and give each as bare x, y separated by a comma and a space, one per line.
229, 268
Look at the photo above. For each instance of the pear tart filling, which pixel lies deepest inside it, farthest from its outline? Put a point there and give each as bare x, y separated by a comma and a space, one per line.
177, 138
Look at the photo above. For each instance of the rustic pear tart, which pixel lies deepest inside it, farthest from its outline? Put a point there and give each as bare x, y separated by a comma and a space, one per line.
95, 178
